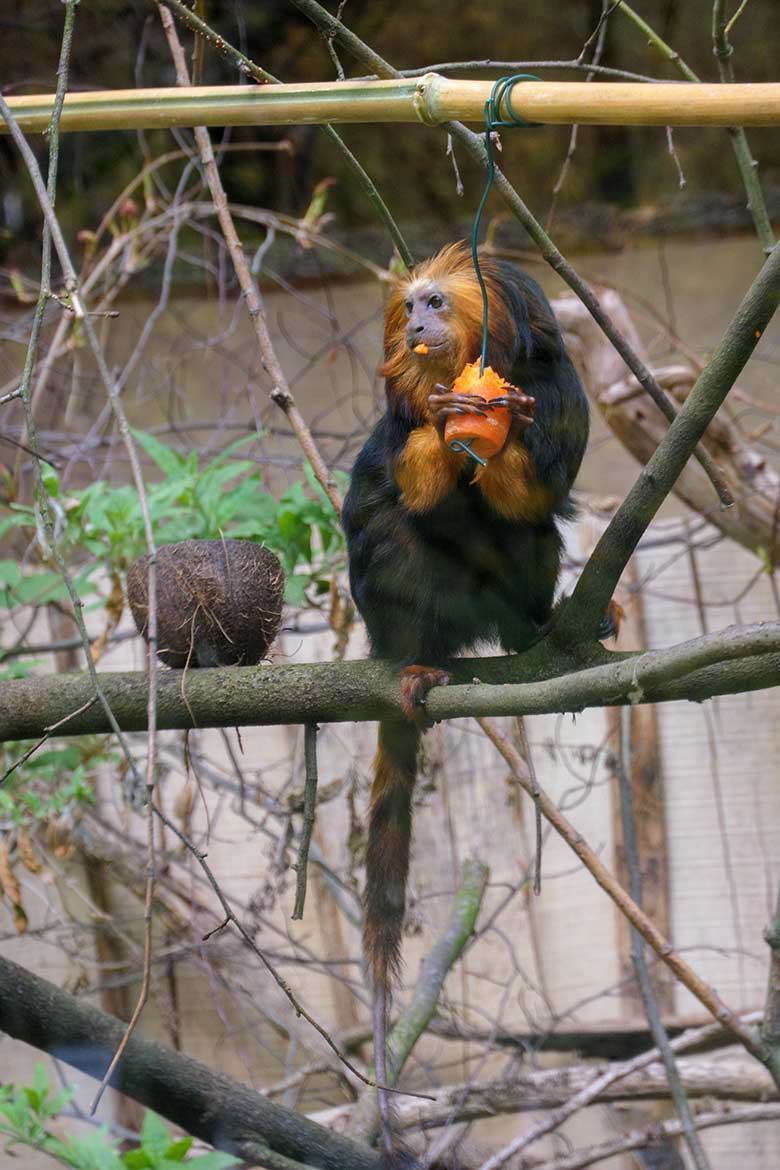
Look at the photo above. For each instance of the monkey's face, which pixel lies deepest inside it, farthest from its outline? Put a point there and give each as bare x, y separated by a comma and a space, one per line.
428, 320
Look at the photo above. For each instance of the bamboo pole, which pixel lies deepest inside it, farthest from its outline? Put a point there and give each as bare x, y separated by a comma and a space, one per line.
430, 99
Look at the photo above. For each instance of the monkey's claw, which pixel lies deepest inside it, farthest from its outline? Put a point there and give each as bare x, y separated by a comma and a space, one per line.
416, 681
520, 406
447, 403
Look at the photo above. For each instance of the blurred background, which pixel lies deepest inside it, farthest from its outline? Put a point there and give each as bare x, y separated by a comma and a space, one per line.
658, 221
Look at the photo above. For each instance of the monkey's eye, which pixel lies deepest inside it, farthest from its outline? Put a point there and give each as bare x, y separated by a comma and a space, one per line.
435, 302
408, 307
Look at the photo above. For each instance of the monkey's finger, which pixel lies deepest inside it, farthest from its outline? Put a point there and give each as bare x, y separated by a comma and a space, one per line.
455, 409
467, 401
513, 401
464, 399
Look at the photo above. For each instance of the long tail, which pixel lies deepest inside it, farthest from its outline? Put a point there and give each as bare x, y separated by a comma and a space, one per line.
387, 866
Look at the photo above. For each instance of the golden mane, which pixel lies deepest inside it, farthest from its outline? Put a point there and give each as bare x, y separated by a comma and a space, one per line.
411, 379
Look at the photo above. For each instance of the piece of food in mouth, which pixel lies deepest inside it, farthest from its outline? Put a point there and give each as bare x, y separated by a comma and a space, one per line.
421, 348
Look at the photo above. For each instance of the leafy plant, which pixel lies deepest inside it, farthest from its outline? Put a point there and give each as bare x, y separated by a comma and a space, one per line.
56, 779
27, 1114
222, 497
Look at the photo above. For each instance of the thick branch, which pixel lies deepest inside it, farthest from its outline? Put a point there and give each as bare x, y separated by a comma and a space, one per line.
753, 480
600, 576
529, 1090
540, 681
204, 1103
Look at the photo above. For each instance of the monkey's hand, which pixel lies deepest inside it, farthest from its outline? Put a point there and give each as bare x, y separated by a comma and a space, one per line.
520, 406
447, 403
416, 681
521, 409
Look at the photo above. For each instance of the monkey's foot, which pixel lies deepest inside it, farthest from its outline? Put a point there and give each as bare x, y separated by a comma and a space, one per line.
416, 681
609, 627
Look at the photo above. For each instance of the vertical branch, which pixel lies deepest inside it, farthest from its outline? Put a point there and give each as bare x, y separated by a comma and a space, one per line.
309, 805
770, 1027
748, 166
435, 967
280, 393
53, 233
638, 955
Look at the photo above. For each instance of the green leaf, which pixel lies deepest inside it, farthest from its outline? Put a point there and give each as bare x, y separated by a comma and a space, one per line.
138, 1160
51, 481
295, 590
177, 1150
94, 1151
166, 459
10, 573
155, 1137
214, 1160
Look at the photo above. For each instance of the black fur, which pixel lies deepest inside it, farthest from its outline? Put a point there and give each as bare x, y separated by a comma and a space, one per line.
429, 586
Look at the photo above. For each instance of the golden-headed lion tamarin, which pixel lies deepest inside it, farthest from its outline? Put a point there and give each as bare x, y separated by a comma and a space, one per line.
442, 555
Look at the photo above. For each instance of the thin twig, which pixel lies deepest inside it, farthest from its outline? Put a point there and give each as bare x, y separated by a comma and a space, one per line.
309, 805
230, 916
748, 167
250, 69
649, 1001
628, 907
598, 1155
45, 198
280, 392
535, 795
594, 1089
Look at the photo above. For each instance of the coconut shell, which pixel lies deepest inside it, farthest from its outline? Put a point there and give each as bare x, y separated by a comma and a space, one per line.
219, 602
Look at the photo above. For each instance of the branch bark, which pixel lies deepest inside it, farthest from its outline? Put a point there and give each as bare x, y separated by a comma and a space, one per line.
530, 1090
204, 1103
595, 587
754, 520
544, 679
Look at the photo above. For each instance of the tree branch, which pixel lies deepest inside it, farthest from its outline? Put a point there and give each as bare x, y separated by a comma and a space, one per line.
204, 1103
250, 69
543, 680
589, 600
280, 393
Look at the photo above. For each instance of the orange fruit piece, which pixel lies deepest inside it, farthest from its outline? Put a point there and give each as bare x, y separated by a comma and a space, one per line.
421, 348
485, 435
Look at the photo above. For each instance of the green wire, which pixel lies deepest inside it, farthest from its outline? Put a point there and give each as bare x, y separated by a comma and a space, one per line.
500, 93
